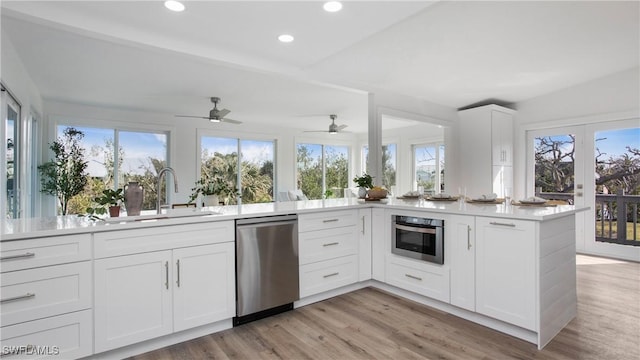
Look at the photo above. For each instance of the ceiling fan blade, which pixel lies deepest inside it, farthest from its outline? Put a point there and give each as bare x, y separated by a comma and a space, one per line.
231, 121
316, 131
342, 127
190, 116
222, 113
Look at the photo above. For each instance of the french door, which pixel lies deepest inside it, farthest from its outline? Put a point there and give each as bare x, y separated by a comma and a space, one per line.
576, 164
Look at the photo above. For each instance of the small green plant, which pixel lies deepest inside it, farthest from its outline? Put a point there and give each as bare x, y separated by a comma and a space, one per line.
215, 186
364, 181
108, 199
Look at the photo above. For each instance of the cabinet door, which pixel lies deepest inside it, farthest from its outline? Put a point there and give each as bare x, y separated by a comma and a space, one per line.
132, 299
364, 244
204, 285
460, 241
502, 138
506, 270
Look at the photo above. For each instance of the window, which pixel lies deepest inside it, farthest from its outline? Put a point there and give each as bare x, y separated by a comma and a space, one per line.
13, 147
139, 157
388, 164
322, 170
428, 164
219, 159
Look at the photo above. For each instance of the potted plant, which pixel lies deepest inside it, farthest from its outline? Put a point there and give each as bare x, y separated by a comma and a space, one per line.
109, 198
211, 189
364, 182
65, 175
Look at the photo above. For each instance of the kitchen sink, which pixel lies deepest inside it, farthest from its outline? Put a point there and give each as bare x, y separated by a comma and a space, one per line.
166, 214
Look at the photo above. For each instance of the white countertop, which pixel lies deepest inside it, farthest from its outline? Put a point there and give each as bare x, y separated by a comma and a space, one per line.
17, 229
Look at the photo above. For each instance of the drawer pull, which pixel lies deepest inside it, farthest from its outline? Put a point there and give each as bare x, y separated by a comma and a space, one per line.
413, 277
330, 244
330, 220
16, 298
21, 256
330, 275
468, 237
502, 224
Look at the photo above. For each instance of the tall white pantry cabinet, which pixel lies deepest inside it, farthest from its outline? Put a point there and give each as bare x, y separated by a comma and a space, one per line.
486, 148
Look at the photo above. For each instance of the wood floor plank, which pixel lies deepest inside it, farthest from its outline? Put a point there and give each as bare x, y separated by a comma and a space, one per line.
372, 324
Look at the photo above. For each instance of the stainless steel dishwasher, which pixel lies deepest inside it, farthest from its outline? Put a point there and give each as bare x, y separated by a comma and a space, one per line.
266, 267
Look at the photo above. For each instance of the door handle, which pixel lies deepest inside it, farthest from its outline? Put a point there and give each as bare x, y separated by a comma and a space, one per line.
362, 225
16, 298
468, 237
166, 274
413, 277
330, 275
329, 220
502, 224
330, 244
178, 272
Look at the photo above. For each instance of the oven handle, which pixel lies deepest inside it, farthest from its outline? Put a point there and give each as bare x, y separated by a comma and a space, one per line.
415, 229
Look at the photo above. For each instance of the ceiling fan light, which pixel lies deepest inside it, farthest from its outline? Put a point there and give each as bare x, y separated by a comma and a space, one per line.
214, 120
174, 5
332, 6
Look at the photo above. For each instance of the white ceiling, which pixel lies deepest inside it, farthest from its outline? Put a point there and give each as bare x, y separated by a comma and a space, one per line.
138, 55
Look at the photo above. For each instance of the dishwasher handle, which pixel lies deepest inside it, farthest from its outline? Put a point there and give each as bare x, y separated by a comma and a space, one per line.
267, 219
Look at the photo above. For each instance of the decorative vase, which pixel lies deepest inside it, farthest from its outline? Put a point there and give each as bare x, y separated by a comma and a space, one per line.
114, 211
211, 200
362, 192
133, 198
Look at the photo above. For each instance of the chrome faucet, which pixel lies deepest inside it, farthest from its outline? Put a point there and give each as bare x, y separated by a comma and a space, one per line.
160, 175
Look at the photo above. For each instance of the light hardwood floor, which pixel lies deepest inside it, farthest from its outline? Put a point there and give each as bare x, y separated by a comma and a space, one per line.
372, 324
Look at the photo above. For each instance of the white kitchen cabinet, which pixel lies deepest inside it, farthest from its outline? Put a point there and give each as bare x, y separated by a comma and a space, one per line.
144, 296
204, 285
327, 244
418, 276
327, 275
486, 149
380, 242
460, 242
364, 245
133, 299
506, 270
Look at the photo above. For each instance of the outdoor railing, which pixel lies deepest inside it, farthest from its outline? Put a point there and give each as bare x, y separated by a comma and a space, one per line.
616, 216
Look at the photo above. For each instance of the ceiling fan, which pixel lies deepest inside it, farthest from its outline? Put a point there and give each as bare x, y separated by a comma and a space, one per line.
333, 128
215, 115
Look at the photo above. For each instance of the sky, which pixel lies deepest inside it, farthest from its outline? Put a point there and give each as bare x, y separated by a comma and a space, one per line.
613, 142
254, 151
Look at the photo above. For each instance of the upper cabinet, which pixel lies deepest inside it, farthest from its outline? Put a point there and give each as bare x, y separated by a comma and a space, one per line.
486, 149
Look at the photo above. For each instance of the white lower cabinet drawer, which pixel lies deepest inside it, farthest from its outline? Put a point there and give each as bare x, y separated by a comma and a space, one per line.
36, 293
67, 336
31, 253
327, 220
328, 275
421, 278
323, 245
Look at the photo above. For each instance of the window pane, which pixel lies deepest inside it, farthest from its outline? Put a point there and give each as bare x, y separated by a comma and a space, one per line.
425, 167
337, 170
141, 156
365, 158
98, 152
219, 159
388, 166
441, 156
554, 166
257, 171
309, 170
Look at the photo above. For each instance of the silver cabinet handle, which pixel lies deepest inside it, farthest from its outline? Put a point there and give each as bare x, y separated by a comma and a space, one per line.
413, 277
362, 225
330, 220
20, 256
166, 279
468, 237
502, 224
16, 298
178, 272
330, 275
330, 244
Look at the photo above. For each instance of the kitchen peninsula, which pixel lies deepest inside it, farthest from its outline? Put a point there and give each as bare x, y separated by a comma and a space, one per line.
507, 267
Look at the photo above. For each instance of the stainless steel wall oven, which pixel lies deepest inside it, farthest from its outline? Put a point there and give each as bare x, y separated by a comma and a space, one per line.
418, 238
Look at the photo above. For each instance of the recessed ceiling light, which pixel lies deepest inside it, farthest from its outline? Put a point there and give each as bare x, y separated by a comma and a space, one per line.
332, 6
285, 38
174, 5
